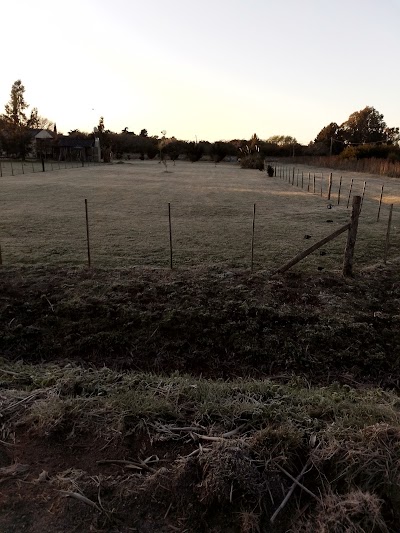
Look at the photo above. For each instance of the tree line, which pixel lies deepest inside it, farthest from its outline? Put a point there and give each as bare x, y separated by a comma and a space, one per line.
363, 134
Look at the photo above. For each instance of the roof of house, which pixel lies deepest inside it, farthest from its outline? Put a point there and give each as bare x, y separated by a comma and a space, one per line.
74, 142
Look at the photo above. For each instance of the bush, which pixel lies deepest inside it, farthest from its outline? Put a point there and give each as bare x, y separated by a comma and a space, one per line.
194, 151
270, 171
252, 161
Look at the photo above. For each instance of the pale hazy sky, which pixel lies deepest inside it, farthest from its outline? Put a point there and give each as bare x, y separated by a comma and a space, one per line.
211, 69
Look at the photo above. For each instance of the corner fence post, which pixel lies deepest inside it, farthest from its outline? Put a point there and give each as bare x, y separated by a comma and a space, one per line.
351, 238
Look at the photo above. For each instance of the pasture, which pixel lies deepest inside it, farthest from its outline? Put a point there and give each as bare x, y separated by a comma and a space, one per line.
196, 399
43, 217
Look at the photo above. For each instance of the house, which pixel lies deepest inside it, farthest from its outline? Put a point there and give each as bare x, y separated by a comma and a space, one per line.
75, 148
42, 143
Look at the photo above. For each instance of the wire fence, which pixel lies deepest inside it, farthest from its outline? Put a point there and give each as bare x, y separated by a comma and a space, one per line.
104, 233
19, 167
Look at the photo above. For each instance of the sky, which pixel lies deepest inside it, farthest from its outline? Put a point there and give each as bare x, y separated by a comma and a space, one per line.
206, 70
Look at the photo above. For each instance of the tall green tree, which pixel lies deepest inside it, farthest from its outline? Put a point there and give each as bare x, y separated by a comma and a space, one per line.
15, 135
330, 139
368, 126
15, 108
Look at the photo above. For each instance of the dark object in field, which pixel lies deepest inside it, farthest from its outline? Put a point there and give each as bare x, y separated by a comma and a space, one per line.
320, 268
307, 236
322, 252
329, 206
270, 171
329, 220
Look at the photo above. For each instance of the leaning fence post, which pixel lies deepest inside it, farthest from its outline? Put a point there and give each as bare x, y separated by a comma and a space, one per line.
387, 243
380, 204
329, 186
87, 233
170, 235
252, 237
351, 237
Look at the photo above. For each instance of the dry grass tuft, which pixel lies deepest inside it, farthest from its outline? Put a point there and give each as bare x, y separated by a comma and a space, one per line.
353, 512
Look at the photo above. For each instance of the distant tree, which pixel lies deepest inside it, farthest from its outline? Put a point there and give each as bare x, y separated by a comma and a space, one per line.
194, 151
330, 139
127, 132
15, 135
174, 148
220, 149
15, 108
282, 140
38, 122
143, 133
105, 141
368, 126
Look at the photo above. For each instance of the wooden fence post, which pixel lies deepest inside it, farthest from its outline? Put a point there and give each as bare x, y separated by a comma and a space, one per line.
309, 179
340, 188
170, 235
302, 180
351, 237
363, 193
351, 187
252, 237
12, 169
380, 204
1, 170
87, 233
1, 257
314, 184
387, 243
329, 186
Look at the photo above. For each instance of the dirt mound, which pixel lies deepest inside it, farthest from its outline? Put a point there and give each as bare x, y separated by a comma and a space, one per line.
206, 322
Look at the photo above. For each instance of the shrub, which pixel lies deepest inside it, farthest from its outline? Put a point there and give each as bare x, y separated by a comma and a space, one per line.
270, 171
254, 161
194, 151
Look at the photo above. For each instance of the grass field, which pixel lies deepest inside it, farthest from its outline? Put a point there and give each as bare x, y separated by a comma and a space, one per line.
202, 399
43, 219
